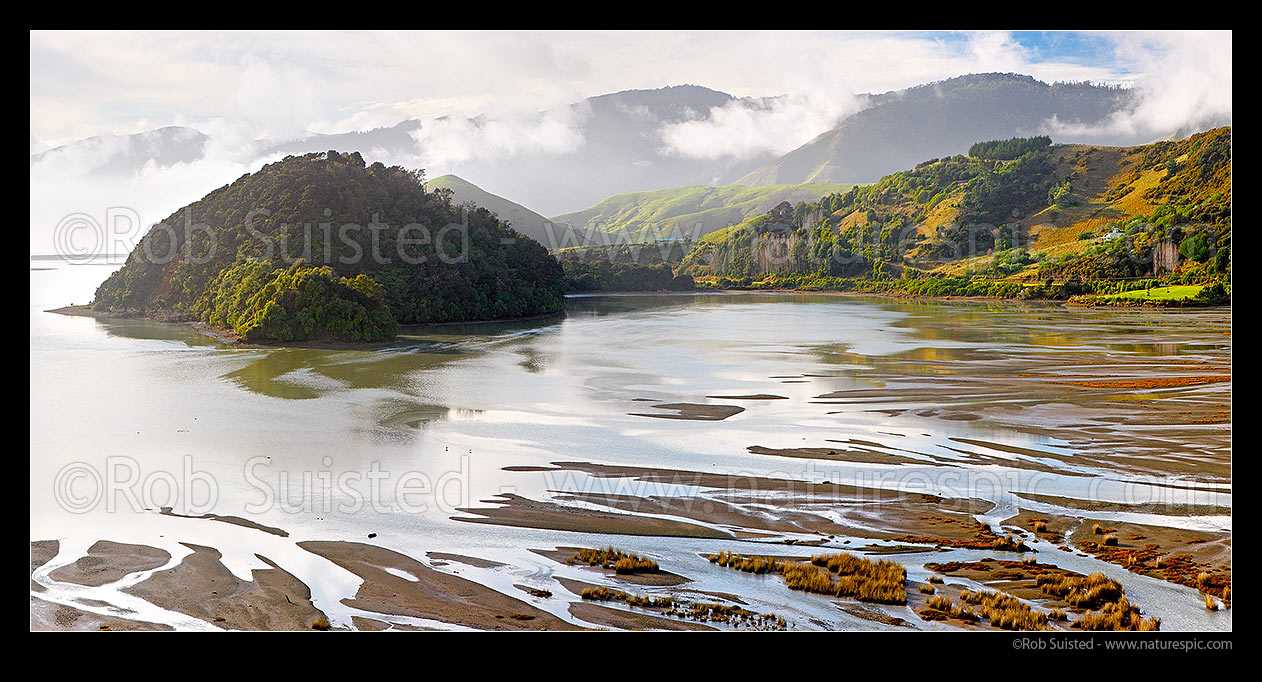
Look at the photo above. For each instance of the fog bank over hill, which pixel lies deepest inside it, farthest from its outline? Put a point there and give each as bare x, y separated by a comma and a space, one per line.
570, 158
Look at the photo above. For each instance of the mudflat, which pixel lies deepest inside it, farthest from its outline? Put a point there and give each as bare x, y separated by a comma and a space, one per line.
433, 595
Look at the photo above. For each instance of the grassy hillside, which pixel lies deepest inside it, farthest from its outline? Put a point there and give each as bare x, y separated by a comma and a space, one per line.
695, 211
517, 216
1035, 212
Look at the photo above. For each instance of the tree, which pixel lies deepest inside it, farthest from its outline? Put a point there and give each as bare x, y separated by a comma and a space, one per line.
1194, 247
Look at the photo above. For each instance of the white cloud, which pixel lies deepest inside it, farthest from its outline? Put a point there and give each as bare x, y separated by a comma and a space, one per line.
743, 128
444, 141
74, 179
1182, 84
85, 83
240, 87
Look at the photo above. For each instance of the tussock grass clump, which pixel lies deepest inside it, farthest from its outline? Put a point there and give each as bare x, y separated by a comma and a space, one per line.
940, 603
1039, 525
936, 579
807, 578
863, 579
962, 612
1089, 592
616, 559
704, 612
1109, 540
748, 564
940, 607
1121, 615
840, 575
321, 623
926, 589
1005, 611
1057, 614
603, 593
707, 612
1009, 543
1210, 603
1096, 591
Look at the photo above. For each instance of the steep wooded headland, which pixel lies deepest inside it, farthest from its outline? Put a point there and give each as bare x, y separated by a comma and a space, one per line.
326, 247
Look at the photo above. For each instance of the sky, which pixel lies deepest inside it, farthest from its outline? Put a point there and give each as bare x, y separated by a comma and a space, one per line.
277, 85
241, 88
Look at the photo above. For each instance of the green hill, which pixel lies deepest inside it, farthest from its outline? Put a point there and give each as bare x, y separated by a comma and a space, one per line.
1019, 211
687, 211
325, 247
519, 217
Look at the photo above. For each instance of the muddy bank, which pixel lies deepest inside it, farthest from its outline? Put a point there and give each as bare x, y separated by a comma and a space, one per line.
526, 513
753, 506
1162, 408
107, 562
42, 552
432, 595
202, 587
692, 411
47, 616
1159, 508
466, 560
1194, 558
626, 619
234, 520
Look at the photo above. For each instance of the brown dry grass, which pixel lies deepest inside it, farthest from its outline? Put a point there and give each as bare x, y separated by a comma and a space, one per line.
616, 559
1121, 615
1005, 611
1090, 592
841, 575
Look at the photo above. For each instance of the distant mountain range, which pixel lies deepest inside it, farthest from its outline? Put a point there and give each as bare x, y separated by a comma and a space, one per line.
617, 150
127, 154
903, 128
618, 144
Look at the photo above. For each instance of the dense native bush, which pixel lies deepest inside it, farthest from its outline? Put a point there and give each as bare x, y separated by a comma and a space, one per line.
430, 260
302, 302
1007, 150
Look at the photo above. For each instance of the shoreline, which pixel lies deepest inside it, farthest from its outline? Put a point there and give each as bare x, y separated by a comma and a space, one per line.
891, 296
229, 337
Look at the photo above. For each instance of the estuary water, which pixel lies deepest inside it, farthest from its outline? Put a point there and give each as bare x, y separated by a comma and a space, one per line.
129, 417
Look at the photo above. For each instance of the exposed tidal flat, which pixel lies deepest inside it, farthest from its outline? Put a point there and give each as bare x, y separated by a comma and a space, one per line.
986, 443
